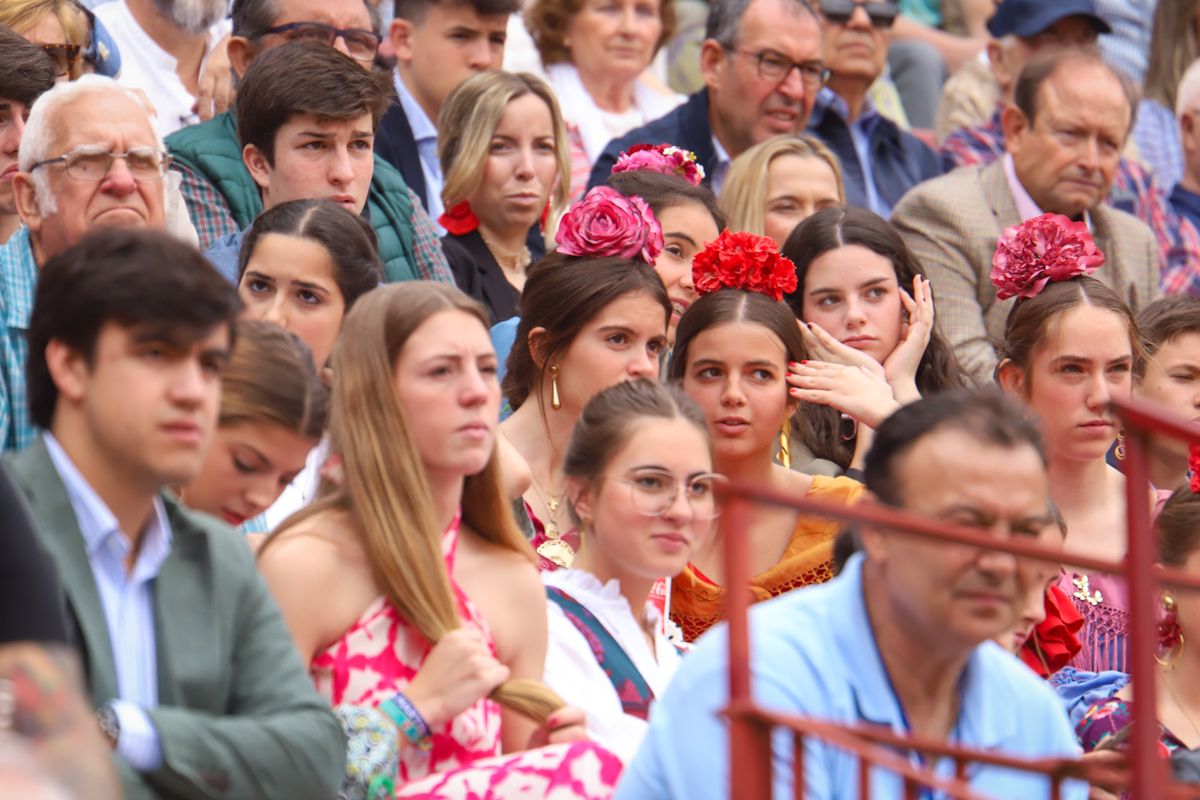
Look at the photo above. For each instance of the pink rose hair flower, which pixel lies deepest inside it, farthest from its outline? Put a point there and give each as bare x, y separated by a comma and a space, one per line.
607, 223
743, 261
665, 158
1040, 250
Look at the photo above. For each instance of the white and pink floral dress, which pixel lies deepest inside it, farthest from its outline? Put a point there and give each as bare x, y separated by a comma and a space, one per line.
380, 654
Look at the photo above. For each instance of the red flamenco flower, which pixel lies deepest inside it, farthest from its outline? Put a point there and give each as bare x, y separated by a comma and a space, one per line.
739, 260
1194, 468
665, 158
1054, 642
1040, 250
607, 223
459, 220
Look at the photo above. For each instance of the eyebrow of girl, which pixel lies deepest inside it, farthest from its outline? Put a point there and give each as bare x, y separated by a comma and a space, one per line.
864, 285
680, 235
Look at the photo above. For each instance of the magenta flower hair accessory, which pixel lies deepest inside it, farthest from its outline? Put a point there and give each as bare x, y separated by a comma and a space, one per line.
665, 158
607, 223
739, 260
1041, 250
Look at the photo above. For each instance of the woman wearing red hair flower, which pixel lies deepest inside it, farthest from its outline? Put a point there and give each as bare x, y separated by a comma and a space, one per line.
732, 348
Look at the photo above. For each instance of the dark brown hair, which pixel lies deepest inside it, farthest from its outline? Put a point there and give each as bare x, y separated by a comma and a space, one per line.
562, 294
1045, 66
1029, 320
1163, 320
305, 78
348, 237
25, 69
271, 378
607, 421
547, 21
818, 426
414, 10
661, 191
1178, 527
128, 277
729, 306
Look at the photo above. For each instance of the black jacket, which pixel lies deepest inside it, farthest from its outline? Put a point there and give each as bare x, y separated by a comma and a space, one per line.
685, 126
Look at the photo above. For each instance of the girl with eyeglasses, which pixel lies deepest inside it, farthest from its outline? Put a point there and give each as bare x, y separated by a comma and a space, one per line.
640, 480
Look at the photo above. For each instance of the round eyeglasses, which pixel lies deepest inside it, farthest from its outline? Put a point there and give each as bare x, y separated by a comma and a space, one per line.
653, 492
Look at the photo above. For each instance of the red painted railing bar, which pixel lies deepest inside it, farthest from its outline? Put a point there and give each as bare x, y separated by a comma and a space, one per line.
1148, 768
798, 765
960, 768
864, 779
1056, 789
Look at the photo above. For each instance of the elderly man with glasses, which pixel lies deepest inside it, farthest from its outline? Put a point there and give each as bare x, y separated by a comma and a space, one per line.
880, 162
89, 158
762, 67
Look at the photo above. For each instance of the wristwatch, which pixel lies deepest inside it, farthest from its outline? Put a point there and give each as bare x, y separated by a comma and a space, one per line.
110, 724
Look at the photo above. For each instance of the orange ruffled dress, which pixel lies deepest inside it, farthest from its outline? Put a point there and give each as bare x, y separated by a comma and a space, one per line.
697, 603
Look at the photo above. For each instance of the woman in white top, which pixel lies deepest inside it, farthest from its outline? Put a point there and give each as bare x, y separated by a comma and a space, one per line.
639, 475
596, 53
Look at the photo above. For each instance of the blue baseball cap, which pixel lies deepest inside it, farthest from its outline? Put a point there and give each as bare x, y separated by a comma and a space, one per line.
101, 51
1030, 17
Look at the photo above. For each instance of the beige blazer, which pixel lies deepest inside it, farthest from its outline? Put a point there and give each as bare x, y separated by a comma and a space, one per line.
952, 224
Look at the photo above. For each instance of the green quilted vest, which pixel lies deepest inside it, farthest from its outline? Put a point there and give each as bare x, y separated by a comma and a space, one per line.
212, 149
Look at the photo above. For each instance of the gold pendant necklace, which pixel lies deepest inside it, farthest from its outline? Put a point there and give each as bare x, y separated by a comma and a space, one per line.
554, 549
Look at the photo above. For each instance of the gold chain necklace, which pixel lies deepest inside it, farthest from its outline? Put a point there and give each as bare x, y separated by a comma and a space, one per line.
508, 260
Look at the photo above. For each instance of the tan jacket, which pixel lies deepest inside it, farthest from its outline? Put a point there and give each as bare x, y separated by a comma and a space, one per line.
952, 224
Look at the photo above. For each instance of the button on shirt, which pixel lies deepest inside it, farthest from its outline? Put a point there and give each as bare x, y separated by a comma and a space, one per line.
814, 654
425, 134
128, 600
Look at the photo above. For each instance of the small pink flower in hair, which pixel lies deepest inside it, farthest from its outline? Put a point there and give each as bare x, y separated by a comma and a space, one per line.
607, 223
665, 158
1041, 250
739, 260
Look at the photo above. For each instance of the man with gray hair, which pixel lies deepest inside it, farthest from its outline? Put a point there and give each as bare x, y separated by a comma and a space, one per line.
762, 68
1185, 197
89, 158
164, 44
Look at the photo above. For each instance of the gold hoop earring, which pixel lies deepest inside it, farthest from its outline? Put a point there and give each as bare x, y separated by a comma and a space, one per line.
1172, 656
555, 402
785, 443
1119, 450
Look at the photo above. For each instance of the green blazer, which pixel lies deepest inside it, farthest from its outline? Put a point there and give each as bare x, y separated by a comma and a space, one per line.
238, 716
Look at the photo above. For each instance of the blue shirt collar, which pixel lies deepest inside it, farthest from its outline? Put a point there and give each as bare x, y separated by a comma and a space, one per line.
980, 723
422, 126
98, 524
829, 101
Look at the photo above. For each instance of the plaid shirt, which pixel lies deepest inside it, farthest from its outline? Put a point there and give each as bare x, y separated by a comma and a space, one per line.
18, 278
213, 220
1134, 190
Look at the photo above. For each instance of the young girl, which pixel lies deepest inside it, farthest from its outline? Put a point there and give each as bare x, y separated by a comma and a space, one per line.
639, 475
1068, 350
303, 264
506, 159
273, 410
587, 322
853, 272
731, 356
406, 586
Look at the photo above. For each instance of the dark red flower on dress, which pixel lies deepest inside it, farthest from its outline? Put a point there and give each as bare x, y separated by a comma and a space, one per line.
1194, 468
1040, 250
665, 158
739, 260
607, 223
1054, 642
459, 220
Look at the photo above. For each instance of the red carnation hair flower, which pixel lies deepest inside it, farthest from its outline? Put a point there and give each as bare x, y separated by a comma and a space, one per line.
1194, 468
743, 261
1041, 250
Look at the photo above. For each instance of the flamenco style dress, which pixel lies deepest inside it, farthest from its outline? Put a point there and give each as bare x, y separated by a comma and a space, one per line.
380, 655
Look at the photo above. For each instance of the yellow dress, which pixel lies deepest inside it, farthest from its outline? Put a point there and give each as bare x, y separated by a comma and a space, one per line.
697, 603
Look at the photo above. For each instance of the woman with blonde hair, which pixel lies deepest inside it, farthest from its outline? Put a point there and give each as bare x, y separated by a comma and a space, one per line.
506, 160
777, 184
59, 27
273, 410
407, 586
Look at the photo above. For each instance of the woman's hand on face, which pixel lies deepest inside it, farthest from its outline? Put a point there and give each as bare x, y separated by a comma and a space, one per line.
854, 390
902, 365
823, 346
568, 724
459, 670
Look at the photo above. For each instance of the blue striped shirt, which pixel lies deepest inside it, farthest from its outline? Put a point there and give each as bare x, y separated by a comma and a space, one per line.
128, 600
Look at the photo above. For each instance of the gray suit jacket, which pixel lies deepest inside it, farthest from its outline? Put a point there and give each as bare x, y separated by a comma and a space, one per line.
952, 224
238, 716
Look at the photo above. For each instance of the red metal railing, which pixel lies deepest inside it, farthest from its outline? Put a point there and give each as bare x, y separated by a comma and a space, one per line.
875, 747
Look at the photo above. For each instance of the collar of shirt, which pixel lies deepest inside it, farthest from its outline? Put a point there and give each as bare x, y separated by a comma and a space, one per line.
98, 524
981, 722
1027, 209
718, 177
830, 101
422, 127
18, 279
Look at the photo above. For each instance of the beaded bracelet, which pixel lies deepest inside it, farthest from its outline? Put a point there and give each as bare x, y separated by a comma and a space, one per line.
408, 720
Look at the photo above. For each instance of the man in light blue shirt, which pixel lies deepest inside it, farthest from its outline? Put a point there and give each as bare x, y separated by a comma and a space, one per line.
901, 638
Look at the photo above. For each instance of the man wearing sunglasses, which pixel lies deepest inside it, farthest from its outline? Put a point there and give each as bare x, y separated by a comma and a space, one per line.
224, 199
880, 162
762, 67
163, 47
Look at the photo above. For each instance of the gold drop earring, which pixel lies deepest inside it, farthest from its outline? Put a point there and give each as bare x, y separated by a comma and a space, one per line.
555, 402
